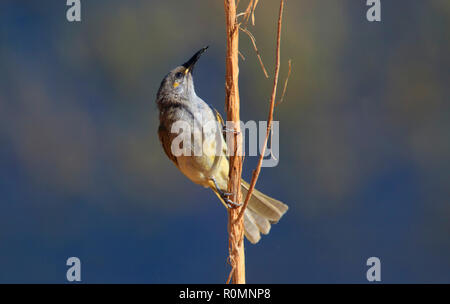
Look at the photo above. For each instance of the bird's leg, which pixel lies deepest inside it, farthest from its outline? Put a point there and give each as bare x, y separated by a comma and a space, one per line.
224, 195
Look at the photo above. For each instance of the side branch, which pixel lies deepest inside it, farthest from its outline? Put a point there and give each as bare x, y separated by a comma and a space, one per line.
256, 172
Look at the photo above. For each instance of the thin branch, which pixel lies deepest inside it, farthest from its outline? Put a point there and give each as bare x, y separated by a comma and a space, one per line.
248, 11
242, 56
252, 38
230, 261
285, 84
230, 275
256, 172
253, 12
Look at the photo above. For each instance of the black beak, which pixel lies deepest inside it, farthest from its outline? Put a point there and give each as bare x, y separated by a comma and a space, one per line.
189, 65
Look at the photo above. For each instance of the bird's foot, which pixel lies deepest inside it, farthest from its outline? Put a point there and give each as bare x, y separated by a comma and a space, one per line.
229, 202
224, 195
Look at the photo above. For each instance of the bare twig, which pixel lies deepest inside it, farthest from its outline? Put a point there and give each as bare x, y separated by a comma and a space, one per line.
253, 12
256, 172
252, 38
231, 262
242, 56
250, 11
285, 84
230, 275
247, 11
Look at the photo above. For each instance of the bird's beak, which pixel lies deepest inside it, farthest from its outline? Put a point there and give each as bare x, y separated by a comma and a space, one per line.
189, 65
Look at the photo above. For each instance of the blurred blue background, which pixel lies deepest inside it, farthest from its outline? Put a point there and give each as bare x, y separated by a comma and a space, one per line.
365, 145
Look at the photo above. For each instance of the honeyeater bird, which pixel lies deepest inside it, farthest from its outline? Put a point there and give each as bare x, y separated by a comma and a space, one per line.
206, 162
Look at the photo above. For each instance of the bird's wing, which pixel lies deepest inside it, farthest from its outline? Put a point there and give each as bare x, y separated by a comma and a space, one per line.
222, 123
164, 138
219, 117
217, 159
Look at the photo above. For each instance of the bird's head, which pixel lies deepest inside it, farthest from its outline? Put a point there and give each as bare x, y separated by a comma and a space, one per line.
179, 81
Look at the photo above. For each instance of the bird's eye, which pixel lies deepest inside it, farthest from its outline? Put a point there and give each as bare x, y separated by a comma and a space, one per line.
179, 75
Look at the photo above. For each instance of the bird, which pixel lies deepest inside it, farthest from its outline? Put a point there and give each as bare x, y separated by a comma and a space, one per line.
201, 155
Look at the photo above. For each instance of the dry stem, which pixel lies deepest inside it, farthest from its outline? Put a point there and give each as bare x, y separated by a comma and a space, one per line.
235, 225
235, 215
285, 84
252, 38
256, 172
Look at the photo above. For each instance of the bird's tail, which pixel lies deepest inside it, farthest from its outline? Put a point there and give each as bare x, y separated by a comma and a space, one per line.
261, 212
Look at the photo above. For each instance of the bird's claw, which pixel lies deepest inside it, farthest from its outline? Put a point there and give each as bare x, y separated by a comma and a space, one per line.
231, 204
224, 196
